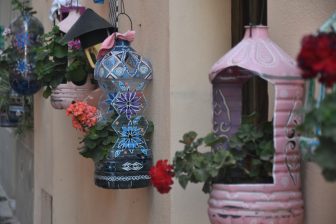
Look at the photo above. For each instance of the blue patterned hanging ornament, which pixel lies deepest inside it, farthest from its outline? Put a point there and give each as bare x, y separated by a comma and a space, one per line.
25, 32
123, 75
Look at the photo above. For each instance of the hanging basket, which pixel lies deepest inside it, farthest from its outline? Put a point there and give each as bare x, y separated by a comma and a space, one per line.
65, 94
25, 32
11, 113
123, 75
281, 201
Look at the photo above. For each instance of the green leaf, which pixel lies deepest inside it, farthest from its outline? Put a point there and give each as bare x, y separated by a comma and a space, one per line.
189, 137
207, 187
60, 51
47, 92
211, 139
108, 141
93, 136
183, 181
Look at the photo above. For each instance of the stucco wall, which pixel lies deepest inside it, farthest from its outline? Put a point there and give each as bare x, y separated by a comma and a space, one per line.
66, 176
17, 172
183, 39
200, 33
16, 155
288, 21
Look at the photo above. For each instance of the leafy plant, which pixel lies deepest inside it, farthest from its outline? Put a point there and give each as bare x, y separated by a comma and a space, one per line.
23, 7
100, 138
98, 141
51, 60
246, 158
78, 67
26, 123
322, 118
52, 67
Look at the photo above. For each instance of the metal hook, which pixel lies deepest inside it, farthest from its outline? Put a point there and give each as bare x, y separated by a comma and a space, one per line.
125, 14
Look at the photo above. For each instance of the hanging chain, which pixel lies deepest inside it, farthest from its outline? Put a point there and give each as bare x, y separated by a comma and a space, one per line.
113, 4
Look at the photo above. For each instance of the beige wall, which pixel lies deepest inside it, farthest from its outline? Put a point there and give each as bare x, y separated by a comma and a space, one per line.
68, 177
288, 21
183, 39
200, 33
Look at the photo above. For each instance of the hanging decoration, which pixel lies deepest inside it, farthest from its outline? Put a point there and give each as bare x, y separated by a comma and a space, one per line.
61, 8
25, 32
65, 74
123, 75
64, 94
91, 30
317, 62
69, 17
257, 55
15, 110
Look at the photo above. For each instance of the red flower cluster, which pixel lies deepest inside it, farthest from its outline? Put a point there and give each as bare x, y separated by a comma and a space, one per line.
162, 176
83, 115
317, 57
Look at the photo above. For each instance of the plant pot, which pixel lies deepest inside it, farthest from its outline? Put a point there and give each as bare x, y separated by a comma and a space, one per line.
256, 203
125, 172
13, 111
5, 122
65, 94
25, 32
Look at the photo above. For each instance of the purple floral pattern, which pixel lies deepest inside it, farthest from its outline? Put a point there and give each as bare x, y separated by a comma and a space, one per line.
128, 103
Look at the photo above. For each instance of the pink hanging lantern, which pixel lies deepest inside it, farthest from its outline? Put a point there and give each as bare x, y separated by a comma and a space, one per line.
280, 202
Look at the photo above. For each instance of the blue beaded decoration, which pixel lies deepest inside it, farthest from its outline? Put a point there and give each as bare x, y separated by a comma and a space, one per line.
123, 75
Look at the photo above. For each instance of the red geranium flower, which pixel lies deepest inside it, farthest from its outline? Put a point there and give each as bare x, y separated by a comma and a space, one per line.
317, 58
162, 176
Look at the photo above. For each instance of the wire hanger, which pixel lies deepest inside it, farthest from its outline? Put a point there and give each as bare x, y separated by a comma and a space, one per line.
123, 13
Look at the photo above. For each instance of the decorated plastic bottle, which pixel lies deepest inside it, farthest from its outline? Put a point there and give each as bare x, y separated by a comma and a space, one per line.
25, 32
123, 75
280, 202
13, 111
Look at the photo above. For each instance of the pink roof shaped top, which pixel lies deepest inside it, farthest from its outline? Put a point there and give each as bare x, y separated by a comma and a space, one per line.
257, 53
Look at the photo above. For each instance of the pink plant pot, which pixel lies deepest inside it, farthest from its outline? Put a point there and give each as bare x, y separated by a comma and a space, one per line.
277, 203
280, 202
256, 204
65, 94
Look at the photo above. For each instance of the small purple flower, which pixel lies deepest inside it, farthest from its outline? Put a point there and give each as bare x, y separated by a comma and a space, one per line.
74, 44
128, 103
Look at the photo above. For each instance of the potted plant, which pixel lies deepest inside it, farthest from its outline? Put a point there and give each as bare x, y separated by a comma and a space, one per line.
24, 35
15, 110
317, 60
62, 69
254, 175
98, 135
246, 158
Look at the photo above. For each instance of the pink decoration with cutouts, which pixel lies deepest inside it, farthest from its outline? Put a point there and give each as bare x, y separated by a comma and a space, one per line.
280, 202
